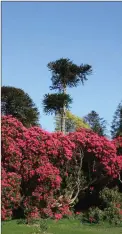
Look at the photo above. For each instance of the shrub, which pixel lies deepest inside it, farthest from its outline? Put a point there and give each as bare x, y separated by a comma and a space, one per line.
48, 171
79, 216
110, 197
94, 215
112, 203
113, 215
12, 144
10, 193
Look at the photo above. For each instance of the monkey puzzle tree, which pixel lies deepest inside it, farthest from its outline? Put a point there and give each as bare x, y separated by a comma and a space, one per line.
64, 74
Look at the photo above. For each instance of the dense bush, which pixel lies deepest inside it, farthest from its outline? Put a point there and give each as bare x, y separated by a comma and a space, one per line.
110, 197
10, 194
94, 215
118, 143
110, 209
12, 143
49, 170
113, 215
111, 200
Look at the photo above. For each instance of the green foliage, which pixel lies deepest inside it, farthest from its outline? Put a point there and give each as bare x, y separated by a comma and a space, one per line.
112, 201
17, 103
54, 102
94, 215
21, 221
67, 74
64, 74
113, 215
110, 196
111, 212
73, 122
116, 127
96, 123
80, 216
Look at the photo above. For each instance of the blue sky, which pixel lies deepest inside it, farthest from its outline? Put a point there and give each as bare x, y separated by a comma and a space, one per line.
35, 33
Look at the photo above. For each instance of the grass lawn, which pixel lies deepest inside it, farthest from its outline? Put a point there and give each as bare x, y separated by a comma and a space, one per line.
60, 227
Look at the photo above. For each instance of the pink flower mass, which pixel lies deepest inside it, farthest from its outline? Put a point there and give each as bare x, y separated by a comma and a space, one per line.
36, 165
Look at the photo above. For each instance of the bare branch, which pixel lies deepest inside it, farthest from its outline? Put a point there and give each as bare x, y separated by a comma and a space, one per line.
120, 178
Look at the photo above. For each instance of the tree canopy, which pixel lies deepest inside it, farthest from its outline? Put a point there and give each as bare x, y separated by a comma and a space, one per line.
96, 123
17, 103
53, 103
116, 127
65, 74
73, 122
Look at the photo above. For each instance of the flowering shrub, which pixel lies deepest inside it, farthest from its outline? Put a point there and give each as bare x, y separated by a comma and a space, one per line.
99, 153
40, 178
94, 215
112, 202
12, 143
113, 214
118, 143
47, 171
80, 216
10, 194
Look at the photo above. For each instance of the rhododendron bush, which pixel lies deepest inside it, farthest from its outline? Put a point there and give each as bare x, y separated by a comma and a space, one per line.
10, 194
43, 173
118, 145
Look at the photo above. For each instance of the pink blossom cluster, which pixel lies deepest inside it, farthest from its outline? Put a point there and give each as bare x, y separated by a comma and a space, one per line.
36, 166
99, 150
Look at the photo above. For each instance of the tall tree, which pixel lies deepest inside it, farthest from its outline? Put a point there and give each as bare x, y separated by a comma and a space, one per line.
96, 123
72, 123
64, 74
116, 127
17, 103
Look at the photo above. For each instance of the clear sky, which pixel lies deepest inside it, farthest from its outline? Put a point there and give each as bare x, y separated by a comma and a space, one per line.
35, 33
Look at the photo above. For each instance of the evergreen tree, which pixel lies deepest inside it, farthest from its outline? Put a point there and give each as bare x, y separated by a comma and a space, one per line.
116, 127
96, 123
64, 74
17, 103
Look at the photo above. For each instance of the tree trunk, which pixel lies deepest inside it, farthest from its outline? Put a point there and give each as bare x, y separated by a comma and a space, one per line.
63, 120
57, 121
63, 115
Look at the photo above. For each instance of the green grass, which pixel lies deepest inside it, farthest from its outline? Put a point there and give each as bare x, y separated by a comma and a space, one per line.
60, 227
